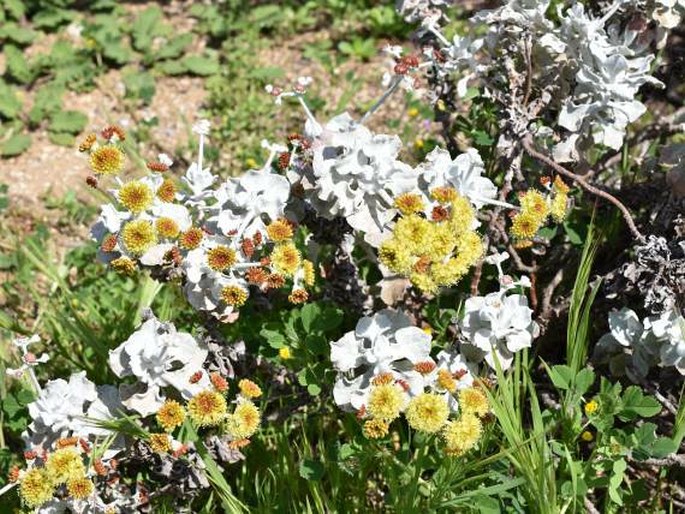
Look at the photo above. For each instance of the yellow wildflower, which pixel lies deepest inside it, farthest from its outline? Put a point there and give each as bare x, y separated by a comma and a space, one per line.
80, 487
207, 408
249, 389
124, 266
36, 487
160, 443
375, 428
221, 258
170, 415
462, 435
138, 236
64, 464
234, 295
135, 196
279, 230
167, 228
473, 400
107, 160
591, 407
244, 421
386, 401
285, 259
427, 412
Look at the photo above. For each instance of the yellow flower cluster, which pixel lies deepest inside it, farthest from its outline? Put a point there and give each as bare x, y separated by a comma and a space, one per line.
64, 466
209, 408
427, 412
536, 210
433, 251
462, 434
386, 402
106, 158
286, 262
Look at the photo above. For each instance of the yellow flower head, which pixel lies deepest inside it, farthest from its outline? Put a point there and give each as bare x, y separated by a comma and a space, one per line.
191, 239
124, 266
64, 464
462, 214
462, 435
560, 186
234, 295
383, 378
160, 443
473, 400
409, 203
535, 204
221, 258
587, 436
375, 428
395, 256
298, 296
80, 487
591, 407
107, 160
167, 190
167, 228
285, 353
88, 142
308, 272
438, 251
427, 412
279, 230
170, 415
559, 207
249, 389
135, 196
36, 487
138, 236
244, 421
525, 226
285, 259
424, 282
207, 408
446, 380
444, 194
386, 401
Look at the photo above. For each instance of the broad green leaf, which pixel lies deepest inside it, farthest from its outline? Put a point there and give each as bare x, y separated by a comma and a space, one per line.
584, 380
71, 122
200, 65
146, 27
309, 314
62, 138
17, 34
561, 376
329, 319
174, 47
10, 105
139, 85
52, 18
48, 101
15, 145
18, 66
618, 470
15, 8
636, 404
172, 67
